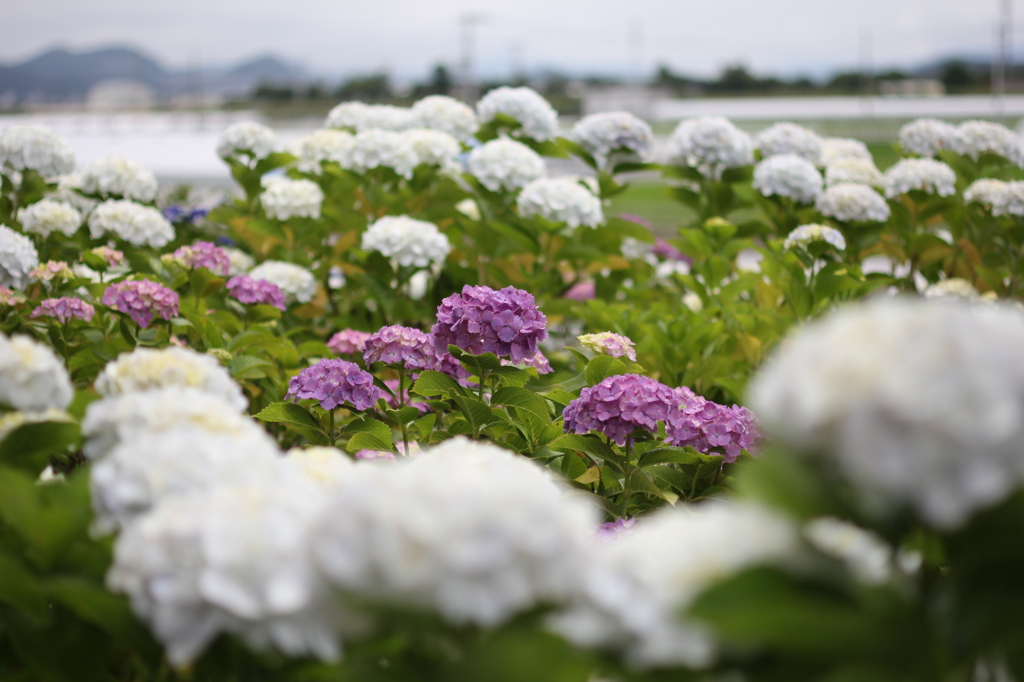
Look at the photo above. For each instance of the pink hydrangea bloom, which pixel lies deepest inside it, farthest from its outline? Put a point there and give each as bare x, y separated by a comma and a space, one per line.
111, 256
142, 300
51, 270
333, 383
348, 342
618, 405
708, 426
581, 291
611, 344
8, 297
205, 255
481, 320
64, 309
248, 290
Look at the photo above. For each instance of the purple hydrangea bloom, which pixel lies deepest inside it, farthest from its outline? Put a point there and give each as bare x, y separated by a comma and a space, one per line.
333, 382
706, 425
249, 290
581, 291
205, 255
397, 345
142, 300
481, 320
611, 344
348, 342
539, 362
618, 405
111, 256
665, 251
64, 309
613, 530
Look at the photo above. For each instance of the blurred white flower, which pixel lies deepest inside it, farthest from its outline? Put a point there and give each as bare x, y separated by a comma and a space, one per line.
560, 200
326, 466
749, 260
249, 138
692, 300
32, 377
12, 421
927, 136
634, 591
602, 134
865, 554
974, 138
927, 175
30, 147
18, 257
47, 216
505, 164
446, 114
148, 369
434, 148
852, 170
66, 192
410, 242
711, 144
632, 248
323, 145
295, 282
468, 208
836, 148
384, 149
118, 178
853, 202
896, 390
538, 119
987, 191
805, 234
335, 277
284, 198
240, 260
134, 223
788, 175
418, 284
954, 287
789, 138
359, 116
1011, 200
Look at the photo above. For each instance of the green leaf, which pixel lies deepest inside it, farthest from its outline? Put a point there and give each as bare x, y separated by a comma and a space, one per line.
476, 364
371, 440
511, 376
93, 603
47, 518
670, 455
20, 588
294, 417
424, 426
248, 367
432, 383
590, 445
522, 399
477, 414
602, 367
30, 445
559, 396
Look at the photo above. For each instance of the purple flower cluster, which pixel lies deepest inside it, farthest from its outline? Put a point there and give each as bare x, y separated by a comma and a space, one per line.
397, 345
613, 530
581, 291
111, 256
142, 300
249, 290
706, 425
618, 405
334, 382
50, 270
205, 255
482, 320
639, 220
348, 342
610, 344
665, 251
539, 362
64, 309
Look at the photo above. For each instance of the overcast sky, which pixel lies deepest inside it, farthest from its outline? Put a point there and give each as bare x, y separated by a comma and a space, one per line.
336, 37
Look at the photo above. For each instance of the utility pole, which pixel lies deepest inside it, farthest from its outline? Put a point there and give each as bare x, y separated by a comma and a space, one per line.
467, 86
1001, 64
867, 104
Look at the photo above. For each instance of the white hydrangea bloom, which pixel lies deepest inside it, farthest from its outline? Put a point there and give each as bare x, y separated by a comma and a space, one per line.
788, 175
853, 202
635, 590
987, 191
865, 554
30, 147
323, 145
974, 138
113, 176
384, 149
48, 216
693, 301
538, 118
955, 287
434, 148
468, 208
632, 248
602, 134
32, 377
835, 148
927, 136
711, 144
858, 171
469, 530
789, 138
805, 234
505, 164
295, 282
410, 242
446, 114
121, 418
12, 421
749, 260
67, 192
359, 116
232, 560
149, 369
18, 256
283, 198
240, 261
927, 175
247, 137
326, 466
136, 224
560, 200
666, 270
896, 391
1011, 200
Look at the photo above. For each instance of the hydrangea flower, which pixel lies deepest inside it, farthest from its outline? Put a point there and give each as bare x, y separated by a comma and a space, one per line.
324, 465
348, 342
48, 216
296, 282
603, 134
805, 234
581, 291
321, 146
410, 242
248, 290
481, 320
142, 300
51, 270
333, 383
851, 202
974, 138
837, 148
538, 362
666, 251
112, 257
953, 287
560, 200
384, 149
8, 297
538, 118
31, 147
612, 530
608, 343
204, 255
788, 175
711, 144
18, 257
505, 164
789, 138
1011, 200
360, 117
134, 223
927, 136
32, 377
853, 170
618, 405
284, 198
434, 148
397, 345
987, 191
446, 114
240, 262
64, 309
119, 178
927, 175
706, 425
249, 138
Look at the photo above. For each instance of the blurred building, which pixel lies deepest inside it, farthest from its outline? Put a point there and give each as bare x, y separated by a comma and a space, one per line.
120, 95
